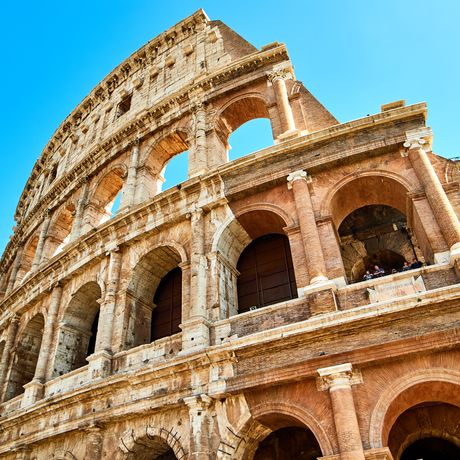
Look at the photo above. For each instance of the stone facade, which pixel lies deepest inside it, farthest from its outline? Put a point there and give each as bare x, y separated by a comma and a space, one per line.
347, 369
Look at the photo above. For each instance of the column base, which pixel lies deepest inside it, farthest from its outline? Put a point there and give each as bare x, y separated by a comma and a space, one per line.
288, 135
195, 335
99, 365
321, 297
34, 391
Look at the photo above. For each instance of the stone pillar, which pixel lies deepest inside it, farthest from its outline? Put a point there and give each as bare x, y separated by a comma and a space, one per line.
297, 181
34, 389
198, 160
24, 453
196, 328
442, 207
129, 190
79, 212
200, 436
282, 102
41, 241
338, 380
6, 355
100, 363
94, 441
14, 270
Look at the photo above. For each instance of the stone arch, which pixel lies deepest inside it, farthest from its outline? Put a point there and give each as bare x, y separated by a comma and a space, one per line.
299, 413
237, 111
405, 392
265, 419
156, 155
394, 194
27, 258
148, 271
25, 355
374, 221
78, 329
58, 234
231, 239
99, 207
142, 443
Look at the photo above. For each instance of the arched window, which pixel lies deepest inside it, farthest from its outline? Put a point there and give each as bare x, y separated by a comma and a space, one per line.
167, 311
376, 235
266, 273
25, 357
251, 136
154, 297
78, 330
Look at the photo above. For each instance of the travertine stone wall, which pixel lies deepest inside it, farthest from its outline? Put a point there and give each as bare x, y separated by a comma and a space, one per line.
331, 360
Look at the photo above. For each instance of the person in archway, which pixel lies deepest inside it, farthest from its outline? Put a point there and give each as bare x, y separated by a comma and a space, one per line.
406, 266
367, 276
378, 271
416, 264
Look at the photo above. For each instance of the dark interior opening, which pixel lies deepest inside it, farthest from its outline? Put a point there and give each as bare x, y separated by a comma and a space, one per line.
92, 339
288, 444
266, 273
167, 312
431, 449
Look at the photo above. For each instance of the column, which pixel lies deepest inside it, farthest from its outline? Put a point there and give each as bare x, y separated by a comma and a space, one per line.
282, 102
195, 331
14, 270
297, 181
442, 207
129, 190
79, 212
198, 158
94, 441
338, 380
199, 413
34, 389
100, 363
41, 240
6, 355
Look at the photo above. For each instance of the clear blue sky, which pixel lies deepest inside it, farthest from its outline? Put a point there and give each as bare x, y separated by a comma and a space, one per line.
352, 55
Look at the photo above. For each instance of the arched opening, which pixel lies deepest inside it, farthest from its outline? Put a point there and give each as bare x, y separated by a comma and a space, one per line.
59, 232
289, 443
266, 273
154, 297
236, 114
105, 201
27, 259
253, 135
376, 236
151, 448
78, 329
370, 215
427, 431
165, 165
25, 356
167, 311
254, 265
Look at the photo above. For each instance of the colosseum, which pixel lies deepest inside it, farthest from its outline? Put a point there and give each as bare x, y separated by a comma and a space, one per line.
298, 303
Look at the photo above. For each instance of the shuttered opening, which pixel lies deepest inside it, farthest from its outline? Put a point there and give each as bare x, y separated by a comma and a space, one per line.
266, 273
166, 316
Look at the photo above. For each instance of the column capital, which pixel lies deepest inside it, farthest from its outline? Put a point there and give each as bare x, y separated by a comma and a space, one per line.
277, 75
341, 375
199, 402
195, 213
297, 175
414, 144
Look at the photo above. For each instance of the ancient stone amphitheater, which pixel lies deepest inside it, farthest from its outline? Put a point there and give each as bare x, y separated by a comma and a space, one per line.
231, 316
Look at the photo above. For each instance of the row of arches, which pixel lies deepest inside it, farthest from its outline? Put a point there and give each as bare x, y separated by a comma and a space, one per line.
165, 166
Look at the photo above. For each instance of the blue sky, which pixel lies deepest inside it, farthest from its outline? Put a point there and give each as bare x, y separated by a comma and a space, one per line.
352, 55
